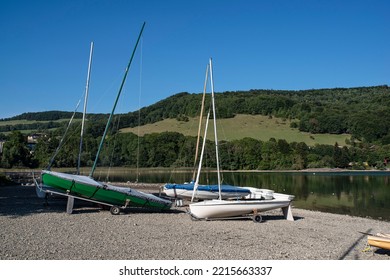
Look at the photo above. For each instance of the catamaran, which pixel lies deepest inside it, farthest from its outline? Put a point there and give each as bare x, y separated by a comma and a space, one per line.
86, 188
258, 201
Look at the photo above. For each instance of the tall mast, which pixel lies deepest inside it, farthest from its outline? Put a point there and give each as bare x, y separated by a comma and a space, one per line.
200, 121
116, 101
215, 128
85, 107
196, 184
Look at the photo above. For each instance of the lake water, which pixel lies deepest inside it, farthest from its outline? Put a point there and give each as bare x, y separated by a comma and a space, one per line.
364, 194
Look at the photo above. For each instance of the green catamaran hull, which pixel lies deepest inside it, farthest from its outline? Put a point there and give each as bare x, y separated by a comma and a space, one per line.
88, 188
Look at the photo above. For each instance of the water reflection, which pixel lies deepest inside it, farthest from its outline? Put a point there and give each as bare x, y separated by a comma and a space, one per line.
365, 194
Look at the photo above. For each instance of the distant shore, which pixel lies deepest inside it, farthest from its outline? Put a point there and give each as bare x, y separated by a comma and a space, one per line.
24, 176
164, 169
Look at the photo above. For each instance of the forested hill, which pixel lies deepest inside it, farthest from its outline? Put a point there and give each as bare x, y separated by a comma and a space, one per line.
47, 116
362, 111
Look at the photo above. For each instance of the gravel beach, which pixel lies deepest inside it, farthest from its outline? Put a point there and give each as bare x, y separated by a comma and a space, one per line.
32, 231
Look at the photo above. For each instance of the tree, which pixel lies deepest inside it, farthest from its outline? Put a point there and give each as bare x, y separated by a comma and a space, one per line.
15, 151
300, 155
340, 156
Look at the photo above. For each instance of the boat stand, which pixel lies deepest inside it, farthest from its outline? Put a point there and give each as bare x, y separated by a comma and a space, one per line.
179, 202
287, 212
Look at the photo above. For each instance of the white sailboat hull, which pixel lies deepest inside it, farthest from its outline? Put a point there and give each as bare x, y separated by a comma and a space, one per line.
202, 194
210, 209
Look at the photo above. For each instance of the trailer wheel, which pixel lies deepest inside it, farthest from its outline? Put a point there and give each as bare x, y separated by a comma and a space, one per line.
257, 218
115, 210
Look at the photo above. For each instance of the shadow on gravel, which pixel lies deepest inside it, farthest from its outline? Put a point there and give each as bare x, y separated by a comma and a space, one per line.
17, 201
382, 252
20, 200
279, 217
265, 218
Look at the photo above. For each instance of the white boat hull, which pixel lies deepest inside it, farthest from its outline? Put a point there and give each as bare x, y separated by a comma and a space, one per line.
187, 194
199, 194
210, 209
256, 193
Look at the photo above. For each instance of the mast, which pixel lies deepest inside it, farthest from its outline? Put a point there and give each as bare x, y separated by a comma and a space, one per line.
215, 128
85, 107
200, 121
116, 101
196, 184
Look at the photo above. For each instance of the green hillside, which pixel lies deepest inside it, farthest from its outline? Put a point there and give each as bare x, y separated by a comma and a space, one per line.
30, 126
327, 115
255, 126
263, 129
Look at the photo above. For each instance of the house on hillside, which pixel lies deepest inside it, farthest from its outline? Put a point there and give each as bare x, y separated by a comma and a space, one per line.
32, 140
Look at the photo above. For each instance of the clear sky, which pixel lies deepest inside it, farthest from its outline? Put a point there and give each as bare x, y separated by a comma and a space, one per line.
255, 44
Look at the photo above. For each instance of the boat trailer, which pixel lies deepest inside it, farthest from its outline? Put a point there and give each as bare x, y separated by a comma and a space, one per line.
43, 192
255, 216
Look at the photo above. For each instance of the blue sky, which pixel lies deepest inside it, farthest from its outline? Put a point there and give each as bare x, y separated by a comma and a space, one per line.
255, 44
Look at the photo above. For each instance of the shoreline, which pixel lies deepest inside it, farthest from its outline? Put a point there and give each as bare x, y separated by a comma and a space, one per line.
33, 231
25, 176
183, 170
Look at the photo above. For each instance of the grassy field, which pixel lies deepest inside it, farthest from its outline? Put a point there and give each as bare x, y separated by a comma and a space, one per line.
28, 131
254, 126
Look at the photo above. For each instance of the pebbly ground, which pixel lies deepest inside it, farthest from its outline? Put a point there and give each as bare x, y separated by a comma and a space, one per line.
32, 231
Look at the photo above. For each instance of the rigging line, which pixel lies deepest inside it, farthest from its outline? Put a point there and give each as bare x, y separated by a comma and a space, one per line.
200, 121
105, 93
115, 103
215, 128
63, 137
201, 158
85, 108
222, 130
139, 111
114, 132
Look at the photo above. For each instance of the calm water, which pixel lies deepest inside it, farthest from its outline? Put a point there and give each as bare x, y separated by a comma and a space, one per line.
365, 194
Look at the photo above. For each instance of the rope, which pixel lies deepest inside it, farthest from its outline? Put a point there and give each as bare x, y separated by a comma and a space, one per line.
139, 111
115, 133
63, 137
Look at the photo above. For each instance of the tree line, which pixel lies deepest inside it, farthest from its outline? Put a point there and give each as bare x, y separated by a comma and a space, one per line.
361, 112
172, 149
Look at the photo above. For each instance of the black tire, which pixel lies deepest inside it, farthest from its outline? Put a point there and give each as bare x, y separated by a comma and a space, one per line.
115, 210
257, 218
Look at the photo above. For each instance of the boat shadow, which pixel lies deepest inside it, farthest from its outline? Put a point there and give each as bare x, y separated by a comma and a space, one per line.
275, 217
265, 218
17, 201
381, 251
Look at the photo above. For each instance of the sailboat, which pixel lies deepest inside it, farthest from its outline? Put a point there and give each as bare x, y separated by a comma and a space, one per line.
86, 188
258, 201
186, 190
